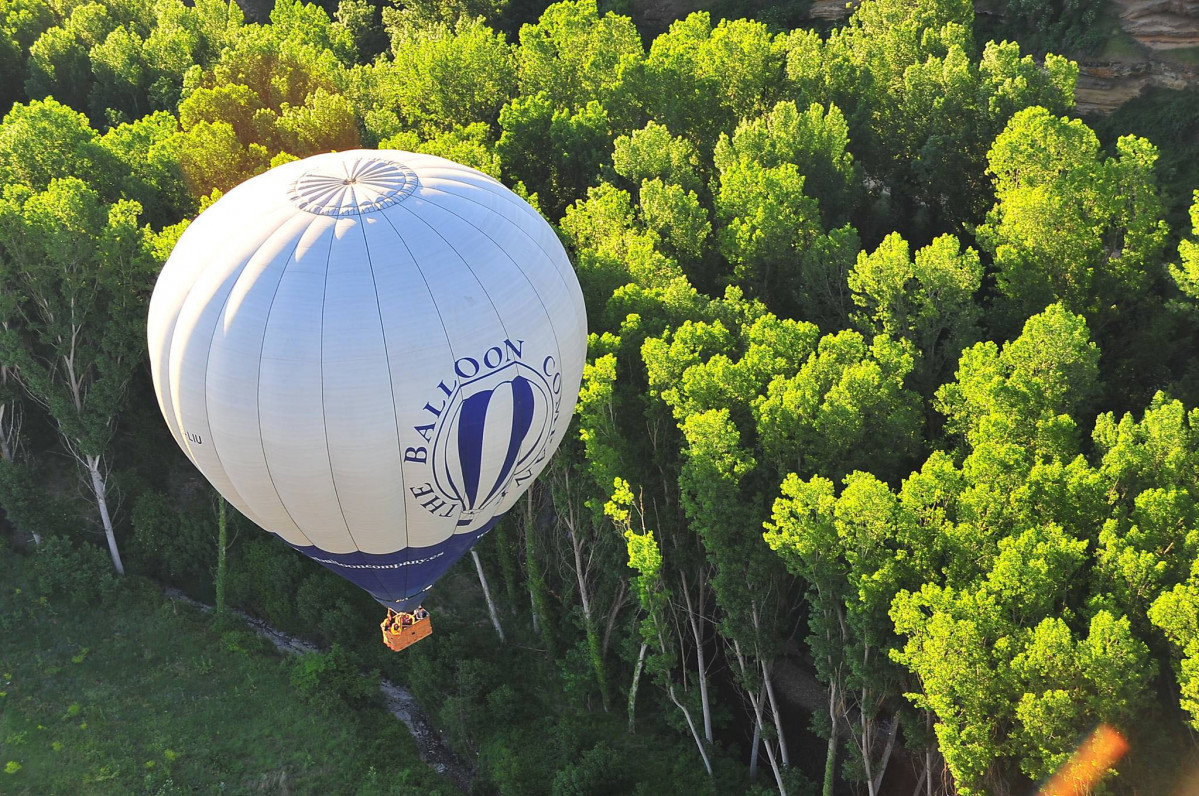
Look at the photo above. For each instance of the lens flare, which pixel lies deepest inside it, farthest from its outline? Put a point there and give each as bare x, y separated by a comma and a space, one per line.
1091, 763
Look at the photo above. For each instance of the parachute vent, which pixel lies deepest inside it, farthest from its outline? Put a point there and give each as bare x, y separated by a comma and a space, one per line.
352, 186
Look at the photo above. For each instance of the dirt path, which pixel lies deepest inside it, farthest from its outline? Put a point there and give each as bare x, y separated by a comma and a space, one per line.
399, 700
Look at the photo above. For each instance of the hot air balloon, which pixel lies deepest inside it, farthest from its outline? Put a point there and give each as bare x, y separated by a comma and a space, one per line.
372, 355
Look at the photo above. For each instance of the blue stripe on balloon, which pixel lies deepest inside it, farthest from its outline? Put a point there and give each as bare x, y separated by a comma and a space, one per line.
399, 580
522, 419
471, 422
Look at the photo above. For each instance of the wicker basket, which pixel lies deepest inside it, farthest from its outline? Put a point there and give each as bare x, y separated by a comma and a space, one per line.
406, 636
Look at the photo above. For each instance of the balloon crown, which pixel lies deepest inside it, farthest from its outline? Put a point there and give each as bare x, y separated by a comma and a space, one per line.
352, 183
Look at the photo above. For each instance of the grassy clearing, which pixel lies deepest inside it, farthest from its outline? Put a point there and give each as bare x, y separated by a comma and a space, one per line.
1182, 55
139, 694
1117, 44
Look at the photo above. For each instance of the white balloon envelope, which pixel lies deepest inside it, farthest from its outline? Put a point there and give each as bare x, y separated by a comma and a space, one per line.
371, 354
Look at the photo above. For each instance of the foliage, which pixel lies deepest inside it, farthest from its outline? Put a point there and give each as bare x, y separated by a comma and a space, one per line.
318, 675
1186, 273
1057, 25
171, 543
75, 573
870, 393
927, 300
1069, 225
86, 721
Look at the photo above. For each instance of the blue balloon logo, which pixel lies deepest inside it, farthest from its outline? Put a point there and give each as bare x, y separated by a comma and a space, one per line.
495, 429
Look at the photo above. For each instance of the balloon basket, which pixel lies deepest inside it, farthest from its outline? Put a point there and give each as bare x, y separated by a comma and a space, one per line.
398, 636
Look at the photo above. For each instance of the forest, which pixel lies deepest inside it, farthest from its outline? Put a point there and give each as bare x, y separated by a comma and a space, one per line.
884, 475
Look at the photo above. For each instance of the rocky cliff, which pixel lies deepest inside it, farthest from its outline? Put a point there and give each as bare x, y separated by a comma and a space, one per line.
1104, 85
1158, 30
1160, 24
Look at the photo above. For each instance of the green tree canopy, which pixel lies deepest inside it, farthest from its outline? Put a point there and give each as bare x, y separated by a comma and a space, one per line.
1069, 224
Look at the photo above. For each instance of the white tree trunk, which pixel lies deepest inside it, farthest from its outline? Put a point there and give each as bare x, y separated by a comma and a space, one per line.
920, 783
529, 530
702, 671
928, 756
774, 763
757, 701
495, 617
867, 742
6, 436
633, 688
701, 664
699, 742
753, 755
776, 713
101, 490
830, 759
576, 545
882, 766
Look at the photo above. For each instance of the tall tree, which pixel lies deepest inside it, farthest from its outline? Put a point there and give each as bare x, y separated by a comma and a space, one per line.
658, 631
850, 552
1186, 273
439, 76
574, 56
700, 80
927, 300
1069, 224
83, 270
816, 140
1176, 614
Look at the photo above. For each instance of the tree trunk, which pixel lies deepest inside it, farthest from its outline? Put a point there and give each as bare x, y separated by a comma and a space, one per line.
617, 604
830, 758
633, 688
594, 647
776, 713
882, 766
867, 724
866, 743
697, 635
222, 544
705, 703
101, 491
928, 755
920, 783
757, 700
495, 619
532, 569
774, 763
703, 752
753, 755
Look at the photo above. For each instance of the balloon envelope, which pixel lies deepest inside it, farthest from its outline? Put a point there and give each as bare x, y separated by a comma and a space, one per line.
371, 354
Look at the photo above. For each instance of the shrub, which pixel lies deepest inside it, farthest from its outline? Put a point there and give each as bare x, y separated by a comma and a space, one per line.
334, 610
599, 770
172, 542
29, 509
79, 573
263, 578
321, 675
